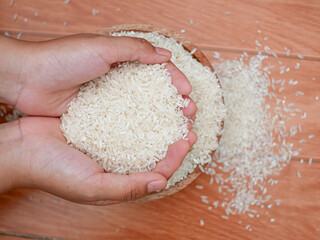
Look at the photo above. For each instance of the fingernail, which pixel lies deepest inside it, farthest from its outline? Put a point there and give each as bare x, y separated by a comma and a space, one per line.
163, 52
156, 186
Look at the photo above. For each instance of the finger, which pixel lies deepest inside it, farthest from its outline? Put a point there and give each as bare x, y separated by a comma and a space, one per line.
175, 155
192, 138
107, 188
93, 55
191, 109
118, 49
179, 80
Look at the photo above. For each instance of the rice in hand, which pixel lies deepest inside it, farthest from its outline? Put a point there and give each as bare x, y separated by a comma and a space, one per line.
127, 118
207, 95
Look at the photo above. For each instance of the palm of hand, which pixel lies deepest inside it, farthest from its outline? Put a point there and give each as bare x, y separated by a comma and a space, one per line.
55, 73
56, 167
53, 165
56, 70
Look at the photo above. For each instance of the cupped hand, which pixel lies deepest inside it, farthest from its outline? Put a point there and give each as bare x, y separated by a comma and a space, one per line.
54, 70
49, 164
50, 76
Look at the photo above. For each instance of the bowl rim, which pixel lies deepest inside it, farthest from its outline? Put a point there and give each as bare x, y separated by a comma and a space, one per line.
200, 57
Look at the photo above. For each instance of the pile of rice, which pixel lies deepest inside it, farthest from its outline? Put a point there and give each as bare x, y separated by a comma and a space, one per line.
256, 143
248, 153
127, 118
206, 93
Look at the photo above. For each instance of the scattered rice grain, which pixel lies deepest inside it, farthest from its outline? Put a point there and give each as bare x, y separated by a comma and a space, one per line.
298, 174
19, 35
299, 93
95, 11
193, 51
311, 136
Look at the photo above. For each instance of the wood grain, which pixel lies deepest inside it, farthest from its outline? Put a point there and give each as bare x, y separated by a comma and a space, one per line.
228, 27
216, 24
297, 215
175, 217
6, 237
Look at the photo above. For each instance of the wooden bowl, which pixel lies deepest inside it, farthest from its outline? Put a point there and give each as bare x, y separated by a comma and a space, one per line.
7, 110
197, 55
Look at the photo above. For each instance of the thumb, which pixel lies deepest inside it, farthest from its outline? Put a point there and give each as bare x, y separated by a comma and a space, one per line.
119, 49
83, 57
106, 187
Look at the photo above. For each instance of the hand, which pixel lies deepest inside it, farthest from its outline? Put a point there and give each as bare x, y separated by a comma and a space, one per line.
52, 72
48, 163
47, 81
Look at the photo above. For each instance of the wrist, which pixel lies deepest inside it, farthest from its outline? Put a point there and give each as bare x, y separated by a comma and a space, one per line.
10, 147
12, 64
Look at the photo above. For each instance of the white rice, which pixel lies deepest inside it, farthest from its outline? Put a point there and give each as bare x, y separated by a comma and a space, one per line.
298, 174
207, 95
95, 11
19, 35
126, 119
247, 154
300, 56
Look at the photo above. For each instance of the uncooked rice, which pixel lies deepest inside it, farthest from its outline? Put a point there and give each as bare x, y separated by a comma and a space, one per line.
207, 95
127, 118
247, 154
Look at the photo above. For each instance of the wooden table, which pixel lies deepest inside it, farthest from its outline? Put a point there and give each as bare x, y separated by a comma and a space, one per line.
229, 28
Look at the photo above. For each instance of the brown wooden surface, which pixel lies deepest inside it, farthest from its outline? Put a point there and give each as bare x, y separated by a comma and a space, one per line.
175, 217
217, 26
3, 237
294, 23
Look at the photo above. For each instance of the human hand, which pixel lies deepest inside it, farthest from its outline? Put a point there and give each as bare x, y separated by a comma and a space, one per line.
46, 162
47, 83
49, 74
